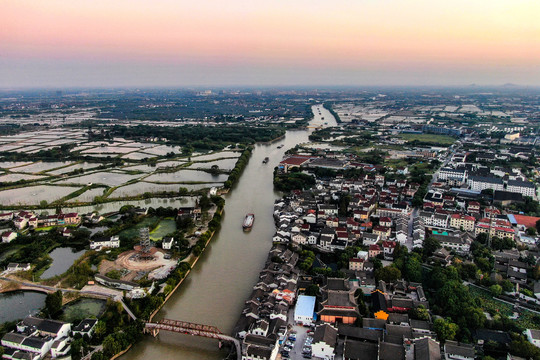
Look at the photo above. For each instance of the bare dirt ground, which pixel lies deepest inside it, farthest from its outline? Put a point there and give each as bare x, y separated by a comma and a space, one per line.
129, 260
107, 266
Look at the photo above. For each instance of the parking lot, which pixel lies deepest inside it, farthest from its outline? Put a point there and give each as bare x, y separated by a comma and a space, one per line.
297, 347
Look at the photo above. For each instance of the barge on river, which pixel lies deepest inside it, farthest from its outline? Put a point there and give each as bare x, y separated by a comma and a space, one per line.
248, 222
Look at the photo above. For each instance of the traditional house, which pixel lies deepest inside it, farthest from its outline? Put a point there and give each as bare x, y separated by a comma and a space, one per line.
100, 243
369, 239
324, 342
388, 249
383, 231
167, 243
374, 250
9, 236
356, 264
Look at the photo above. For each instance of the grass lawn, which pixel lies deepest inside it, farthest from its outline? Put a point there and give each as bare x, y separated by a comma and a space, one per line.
9, 252
396, 163
165, 227
48, 228
429, 138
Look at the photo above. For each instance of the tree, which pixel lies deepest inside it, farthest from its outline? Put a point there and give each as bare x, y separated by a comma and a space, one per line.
388, 274
487, 192
482, 237
111, 346
531, 231
430, 245
495, 290
522, 347
421, 313
76, 348
445, 329
100, 330
312, 290
377, 264
53, 303
413, 268
507, 286
204, 202
98, 355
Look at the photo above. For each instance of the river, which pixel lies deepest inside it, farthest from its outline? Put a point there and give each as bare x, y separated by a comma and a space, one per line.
216, 289
220, 283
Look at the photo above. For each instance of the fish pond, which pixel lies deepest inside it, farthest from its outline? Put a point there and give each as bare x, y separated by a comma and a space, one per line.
81, 309
63, 258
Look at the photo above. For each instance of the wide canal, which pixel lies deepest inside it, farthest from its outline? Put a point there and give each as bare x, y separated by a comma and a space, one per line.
215, 291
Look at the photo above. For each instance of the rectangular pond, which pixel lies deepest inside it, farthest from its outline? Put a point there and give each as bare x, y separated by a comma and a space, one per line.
102, 177
138, 156
223, 164
218, 155
184, 176
13, 164
163, 150
143, 187
33, 195
85, 166
42, 166
88, 195
82, 309
17, 177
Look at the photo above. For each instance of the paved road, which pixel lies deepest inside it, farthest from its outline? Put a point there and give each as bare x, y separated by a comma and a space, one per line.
89, 355
50, 289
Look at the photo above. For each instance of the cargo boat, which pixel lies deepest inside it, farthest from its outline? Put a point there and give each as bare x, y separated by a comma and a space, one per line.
266, 159
248, 221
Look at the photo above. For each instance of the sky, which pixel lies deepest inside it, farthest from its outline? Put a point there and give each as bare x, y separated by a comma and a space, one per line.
177, 43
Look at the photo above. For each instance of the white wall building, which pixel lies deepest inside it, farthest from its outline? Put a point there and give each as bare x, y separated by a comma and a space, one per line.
100, 243
324, 342
304, 310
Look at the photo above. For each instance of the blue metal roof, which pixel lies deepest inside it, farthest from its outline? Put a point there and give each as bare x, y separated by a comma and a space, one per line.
305, 306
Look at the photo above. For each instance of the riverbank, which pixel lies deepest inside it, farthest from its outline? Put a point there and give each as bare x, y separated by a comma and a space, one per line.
192, 264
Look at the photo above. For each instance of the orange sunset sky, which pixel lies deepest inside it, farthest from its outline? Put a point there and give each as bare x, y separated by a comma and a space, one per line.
278, 42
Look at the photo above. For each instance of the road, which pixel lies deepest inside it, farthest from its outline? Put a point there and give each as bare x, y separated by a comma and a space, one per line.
89, 355
414, 213
50, 289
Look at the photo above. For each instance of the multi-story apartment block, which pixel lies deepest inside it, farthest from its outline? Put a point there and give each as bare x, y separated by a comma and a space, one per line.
464, 222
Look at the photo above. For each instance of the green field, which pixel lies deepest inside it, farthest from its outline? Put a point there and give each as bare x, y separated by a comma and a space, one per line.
133, 232
526, 320
164, 228
429, 138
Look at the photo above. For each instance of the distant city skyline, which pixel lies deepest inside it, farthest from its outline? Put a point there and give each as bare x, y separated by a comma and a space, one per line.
58, 43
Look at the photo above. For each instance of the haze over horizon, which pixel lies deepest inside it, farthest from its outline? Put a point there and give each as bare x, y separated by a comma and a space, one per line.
124, 43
